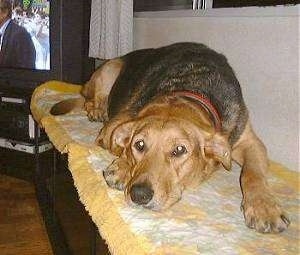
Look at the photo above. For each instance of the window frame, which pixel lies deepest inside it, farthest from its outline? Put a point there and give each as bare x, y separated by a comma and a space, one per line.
167, 5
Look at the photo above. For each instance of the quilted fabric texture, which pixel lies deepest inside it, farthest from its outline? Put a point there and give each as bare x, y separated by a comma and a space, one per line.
207, 220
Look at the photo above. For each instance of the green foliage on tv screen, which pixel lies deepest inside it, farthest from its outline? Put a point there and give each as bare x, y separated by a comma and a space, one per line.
26, 4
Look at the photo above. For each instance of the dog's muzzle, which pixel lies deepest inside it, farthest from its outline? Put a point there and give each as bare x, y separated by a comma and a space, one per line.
141, 193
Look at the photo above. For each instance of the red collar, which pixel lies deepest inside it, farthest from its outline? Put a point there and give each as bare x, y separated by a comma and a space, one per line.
205, 103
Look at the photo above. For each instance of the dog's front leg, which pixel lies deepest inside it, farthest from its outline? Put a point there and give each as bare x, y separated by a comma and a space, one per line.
98, 88
261, 210
97, 108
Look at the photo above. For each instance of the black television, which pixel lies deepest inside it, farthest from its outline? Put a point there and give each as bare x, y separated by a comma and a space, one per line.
67, 24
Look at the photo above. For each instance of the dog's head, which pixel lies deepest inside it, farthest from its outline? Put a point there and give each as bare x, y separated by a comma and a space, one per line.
166, 150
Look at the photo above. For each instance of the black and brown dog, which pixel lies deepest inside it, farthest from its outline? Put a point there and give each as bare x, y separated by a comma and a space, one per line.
172, 115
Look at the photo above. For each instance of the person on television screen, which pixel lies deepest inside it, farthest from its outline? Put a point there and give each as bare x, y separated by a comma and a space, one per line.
16, 46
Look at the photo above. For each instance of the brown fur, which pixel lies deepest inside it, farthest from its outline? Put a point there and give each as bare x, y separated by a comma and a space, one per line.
97, 96
161, 128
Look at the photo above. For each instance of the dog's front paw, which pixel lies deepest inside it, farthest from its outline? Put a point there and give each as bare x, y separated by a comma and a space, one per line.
95, 113
262, 213
115, 174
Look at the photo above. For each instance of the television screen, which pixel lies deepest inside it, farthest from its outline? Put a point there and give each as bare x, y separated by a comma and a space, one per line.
25, 42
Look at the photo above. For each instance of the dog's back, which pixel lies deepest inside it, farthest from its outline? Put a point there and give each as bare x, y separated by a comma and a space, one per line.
182, 66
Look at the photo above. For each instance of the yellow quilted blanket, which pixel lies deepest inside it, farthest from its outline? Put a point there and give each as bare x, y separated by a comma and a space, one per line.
207, 220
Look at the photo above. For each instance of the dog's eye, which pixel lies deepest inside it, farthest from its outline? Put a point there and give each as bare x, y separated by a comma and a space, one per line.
139, 145
179, 150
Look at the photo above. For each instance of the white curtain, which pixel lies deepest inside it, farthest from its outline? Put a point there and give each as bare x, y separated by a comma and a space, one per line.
111, 28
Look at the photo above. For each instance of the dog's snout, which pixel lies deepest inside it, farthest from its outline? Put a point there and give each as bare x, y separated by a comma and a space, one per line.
141, 193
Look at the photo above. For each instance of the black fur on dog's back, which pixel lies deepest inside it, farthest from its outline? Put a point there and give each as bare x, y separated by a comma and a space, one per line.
182, 66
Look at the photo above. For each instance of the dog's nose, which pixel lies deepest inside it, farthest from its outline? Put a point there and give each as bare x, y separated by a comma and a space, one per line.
141, 193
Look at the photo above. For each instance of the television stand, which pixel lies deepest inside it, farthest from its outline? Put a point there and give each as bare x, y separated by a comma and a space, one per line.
25, 146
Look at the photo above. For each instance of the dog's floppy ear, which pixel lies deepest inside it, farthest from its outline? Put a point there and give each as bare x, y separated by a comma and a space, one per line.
218, 148
120, 137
